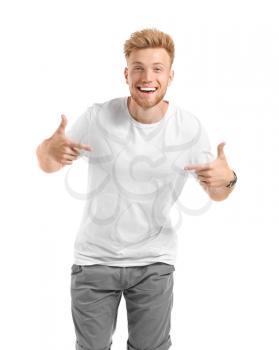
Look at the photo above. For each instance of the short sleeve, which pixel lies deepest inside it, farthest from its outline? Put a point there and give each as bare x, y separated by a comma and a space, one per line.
79, 130
201, 152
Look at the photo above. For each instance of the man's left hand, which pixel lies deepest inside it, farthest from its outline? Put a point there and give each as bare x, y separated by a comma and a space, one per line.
214, 174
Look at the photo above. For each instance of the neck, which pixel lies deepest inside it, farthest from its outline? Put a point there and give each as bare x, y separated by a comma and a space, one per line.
147, 115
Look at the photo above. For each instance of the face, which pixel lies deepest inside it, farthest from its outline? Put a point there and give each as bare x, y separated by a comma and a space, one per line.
148, 68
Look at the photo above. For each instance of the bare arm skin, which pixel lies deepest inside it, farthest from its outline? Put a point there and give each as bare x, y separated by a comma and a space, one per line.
214, 176
57, 151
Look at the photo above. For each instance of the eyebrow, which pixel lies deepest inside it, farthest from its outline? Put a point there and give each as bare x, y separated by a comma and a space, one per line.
138, 62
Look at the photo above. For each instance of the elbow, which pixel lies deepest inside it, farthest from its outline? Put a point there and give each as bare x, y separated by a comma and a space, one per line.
45, 165
218, 198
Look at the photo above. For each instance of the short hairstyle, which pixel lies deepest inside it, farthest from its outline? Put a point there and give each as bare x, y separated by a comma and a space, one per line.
149, 38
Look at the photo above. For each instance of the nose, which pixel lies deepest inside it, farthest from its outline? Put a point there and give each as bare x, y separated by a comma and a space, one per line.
147, 76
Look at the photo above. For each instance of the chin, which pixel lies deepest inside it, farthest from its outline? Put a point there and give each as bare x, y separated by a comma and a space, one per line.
146, 103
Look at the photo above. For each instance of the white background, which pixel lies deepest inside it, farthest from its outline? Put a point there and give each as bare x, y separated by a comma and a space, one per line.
62, 56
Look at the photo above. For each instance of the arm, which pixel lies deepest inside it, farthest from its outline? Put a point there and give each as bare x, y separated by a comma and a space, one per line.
222, 192
215, 176
57, 151
46, 162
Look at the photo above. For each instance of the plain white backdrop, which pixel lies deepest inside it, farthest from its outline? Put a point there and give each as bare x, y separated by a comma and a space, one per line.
62, 56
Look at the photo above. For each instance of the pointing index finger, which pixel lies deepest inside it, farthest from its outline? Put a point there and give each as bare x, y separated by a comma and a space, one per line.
197, 167
85, 147
81, 146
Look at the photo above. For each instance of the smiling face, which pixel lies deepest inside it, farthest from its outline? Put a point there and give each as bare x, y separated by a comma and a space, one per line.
148, 75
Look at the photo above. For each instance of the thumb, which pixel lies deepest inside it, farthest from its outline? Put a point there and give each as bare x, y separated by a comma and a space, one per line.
220, 151
62, 126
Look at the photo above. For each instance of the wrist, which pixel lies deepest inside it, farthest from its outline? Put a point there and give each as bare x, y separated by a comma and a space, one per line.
232, 180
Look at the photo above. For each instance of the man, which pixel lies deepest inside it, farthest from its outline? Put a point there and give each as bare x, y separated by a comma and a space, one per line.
140, 150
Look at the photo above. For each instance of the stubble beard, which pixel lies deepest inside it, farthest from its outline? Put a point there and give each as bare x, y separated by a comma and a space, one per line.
146, 103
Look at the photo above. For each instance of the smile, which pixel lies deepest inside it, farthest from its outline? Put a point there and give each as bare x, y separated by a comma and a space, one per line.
149, 90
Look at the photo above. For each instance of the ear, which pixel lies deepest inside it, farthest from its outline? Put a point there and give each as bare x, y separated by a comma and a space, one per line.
126, 74
171, 77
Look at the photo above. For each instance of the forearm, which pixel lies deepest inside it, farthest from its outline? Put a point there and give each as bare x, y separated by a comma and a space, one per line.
46, 162
218, 193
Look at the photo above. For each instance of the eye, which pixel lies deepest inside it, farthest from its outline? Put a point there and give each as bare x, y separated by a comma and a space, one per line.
157, 69
138, 68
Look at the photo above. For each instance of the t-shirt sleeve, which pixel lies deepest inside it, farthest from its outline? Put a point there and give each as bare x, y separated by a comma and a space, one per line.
201, 152
79, 130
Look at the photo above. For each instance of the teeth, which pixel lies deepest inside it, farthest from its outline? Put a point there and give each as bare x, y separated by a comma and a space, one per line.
147, 89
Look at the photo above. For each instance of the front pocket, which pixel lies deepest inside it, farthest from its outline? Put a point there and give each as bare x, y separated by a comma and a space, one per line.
76, 269
169, 271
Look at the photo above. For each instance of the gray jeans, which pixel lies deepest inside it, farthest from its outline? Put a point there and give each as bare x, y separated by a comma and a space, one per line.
96, 291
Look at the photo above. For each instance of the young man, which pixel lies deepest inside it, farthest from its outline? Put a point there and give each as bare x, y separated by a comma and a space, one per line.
141, 149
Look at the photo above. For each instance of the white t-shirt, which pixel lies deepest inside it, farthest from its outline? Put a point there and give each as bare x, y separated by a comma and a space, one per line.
135, 175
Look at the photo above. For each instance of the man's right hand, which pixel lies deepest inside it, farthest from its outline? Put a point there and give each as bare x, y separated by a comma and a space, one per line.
61, 149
